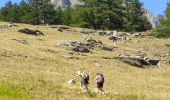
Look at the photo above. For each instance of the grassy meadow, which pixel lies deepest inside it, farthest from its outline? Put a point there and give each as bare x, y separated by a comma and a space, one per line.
36, 68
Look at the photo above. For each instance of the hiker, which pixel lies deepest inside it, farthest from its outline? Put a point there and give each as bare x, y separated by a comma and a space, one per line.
99, 82
84, 80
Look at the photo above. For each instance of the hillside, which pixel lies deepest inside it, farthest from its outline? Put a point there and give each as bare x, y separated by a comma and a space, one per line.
35, 67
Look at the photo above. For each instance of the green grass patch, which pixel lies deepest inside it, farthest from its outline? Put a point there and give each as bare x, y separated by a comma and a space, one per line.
91, 94
12, 93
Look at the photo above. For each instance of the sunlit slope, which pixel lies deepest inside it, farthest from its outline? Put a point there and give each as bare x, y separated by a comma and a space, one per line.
35, 67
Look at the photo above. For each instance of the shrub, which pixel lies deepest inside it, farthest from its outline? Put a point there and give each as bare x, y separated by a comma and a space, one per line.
91, 94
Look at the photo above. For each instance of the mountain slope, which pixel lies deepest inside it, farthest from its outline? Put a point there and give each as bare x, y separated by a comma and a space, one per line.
35, 67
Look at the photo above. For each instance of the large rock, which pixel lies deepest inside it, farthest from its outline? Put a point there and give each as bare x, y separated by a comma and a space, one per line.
138, 61
65, 3
124, 37
92, 44
85, 46
75, 45
31, 32
113, 38
87, 31
81, 48
101, 33
60, 28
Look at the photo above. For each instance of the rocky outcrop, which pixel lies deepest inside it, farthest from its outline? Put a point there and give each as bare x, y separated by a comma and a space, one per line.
138, 61
65, 3
86, 46
31, 32
154, 20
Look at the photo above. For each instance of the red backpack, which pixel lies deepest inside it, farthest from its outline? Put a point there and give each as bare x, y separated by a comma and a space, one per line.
99, 78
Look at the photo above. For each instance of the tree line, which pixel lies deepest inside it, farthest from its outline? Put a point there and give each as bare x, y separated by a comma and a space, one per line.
125, 15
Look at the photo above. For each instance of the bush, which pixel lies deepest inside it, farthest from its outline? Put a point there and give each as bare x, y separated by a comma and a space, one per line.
162, 33
164, 30
91, 94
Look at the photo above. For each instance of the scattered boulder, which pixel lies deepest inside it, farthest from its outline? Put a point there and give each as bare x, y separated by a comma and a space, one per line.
71, 82
112, 33
64, 27
103, 47
87, 31
92, 44
136, 34
65, 43
97, 65
140, 34
31, 32
12, 25
101, 33
123, 34
75, 45
124, 37
138, 61
85, 46
113, 38
60, 29
81, 48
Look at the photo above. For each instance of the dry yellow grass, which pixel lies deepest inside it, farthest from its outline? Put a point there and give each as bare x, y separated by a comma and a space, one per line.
40, 69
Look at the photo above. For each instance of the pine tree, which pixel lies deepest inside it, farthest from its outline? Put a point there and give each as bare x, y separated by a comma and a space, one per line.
25, 12
59, 16
100, 14
43, 12
97, 14
136, 21
13, 14
5, 11
35, 11
67, 16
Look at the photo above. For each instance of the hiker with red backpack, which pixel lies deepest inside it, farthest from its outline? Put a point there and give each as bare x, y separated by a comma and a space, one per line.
100, 82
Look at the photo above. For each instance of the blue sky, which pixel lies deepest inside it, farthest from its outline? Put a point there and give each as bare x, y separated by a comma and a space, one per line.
154, 6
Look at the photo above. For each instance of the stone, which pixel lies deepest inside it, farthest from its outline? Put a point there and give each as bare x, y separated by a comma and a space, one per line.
113, 38
138, 61
85, 46
31, 32
136, 34
64, 43
71, 82
87, 31
101, 33
97, 65
82, 49
64, 27
60, 29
